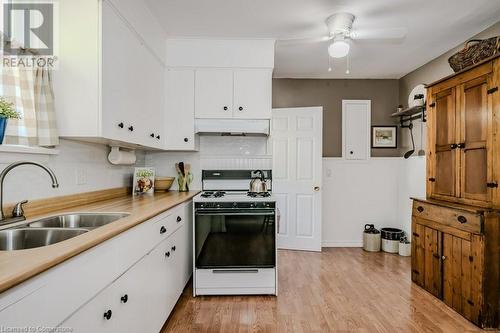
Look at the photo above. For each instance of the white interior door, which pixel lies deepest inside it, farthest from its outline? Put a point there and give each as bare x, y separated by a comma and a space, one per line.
297, 144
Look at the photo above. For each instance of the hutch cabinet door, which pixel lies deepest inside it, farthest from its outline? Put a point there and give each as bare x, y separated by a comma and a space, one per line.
475, 139
417, 254
432, 261
462, 283
426, 258
443, 164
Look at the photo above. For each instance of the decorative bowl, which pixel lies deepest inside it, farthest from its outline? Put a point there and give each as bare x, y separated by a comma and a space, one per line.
163, 184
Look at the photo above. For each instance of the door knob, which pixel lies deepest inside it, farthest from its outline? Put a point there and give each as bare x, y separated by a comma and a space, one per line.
316, 188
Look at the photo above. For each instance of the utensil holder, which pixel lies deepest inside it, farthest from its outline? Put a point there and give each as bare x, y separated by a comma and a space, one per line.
184, 181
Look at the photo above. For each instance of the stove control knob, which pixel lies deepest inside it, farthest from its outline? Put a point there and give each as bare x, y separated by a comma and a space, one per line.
218, 205
235, 204
267, 205
252, 205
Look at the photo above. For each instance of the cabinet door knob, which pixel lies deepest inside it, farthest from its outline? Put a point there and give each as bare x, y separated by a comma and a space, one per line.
351, 152
158, 137
462, 219
225, 108
443, 257
131, 128
186, 139
108, 314
461, 145
124, 298
163, 230
173, 248
240, 108
120, 125
420, 209
316, 188
167, 254
453, 146
152, 135
179, 218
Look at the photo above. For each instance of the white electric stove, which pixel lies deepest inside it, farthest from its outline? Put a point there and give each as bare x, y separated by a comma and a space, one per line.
234, 236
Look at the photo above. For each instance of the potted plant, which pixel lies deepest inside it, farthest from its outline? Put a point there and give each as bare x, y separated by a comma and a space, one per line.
7, 112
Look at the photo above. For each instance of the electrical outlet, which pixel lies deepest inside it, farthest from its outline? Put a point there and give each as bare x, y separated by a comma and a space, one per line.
81, 176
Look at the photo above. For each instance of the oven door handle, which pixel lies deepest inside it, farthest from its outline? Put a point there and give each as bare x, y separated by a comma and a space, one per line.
220, 213
230, 271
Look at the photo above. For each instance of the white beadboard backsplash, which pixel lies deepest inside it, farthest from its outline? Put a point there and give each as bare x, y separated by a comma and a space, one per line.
86, 161
216, 152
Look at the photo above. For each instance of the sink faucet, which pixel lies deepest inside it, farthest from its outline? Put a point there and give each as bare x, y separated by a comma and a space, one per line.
3, 218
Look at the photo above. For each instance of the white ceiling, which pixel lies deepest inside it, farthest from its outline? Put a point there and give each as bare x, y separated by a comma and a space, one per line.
434, 27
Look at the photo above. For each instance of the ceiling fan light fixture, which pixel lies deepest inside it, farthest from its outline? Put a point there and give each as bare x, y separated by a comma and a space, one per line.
339, 48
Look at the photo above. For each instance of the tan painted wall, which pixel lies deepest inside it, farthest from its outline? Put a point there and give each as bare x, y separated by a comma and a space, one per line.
437, 68
329, 95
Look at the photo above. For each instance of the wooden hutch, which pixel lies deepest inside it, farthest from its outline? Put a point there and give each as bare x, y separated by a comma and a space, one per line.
456, 229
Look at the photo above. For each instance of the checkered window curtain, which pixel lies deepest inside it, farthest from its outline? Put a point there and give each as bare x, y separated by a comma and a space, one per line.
32, 94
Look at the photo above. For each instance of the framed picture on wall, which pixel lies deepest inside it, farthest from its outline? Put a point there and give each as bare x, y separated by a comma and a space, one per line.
384, 136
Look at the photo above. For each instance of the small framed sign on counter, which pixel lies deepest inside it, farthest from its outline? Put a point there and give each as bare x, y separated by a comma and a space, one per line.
384, 136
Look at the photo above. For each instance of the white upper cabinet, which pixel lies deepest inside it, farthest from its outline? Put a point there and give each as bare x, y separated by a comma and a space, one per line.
238, 93
233, 78
179, 116
214, 93
252, 93
110, 83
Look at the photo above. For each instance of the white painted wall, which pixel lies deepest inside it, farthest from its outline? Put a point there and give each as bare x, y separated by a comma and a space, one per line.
29, 182
375, 191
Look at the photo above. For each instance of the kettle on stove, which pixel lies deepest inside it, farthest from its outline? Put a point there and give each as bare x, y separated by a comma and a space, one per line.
258, 184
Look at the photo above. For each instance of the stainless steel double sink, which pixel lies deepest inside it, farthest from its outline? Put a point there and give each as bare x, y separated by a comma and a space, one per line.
54, 229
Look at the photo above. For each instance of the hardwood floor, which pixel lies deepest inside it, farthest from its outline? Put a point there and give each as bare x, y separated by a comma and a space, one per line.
338, 290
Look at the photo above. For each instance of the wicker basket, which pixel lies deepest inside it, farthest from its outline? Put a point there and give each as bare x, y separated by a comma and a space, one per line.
473, 52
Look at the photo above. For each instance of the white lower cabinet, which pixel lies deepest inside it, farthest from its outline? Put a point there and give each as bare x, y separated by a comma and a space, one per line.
118, 286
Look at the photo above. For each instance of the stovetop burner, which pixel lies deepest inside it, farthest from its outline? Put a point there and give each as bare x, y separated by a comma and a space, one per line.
259, 194
211, 194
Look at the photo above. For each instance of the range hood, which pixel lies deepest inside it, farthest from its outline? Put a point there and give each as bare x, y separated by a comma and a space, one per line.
237, 127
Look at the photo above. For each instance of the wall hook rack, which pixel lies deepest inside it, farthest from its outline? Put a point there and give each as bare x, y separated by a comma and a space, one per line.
408, 115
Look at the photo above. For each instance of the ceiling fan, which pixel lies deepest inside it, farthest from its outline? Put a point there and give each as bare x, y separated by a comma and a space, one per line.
342, 35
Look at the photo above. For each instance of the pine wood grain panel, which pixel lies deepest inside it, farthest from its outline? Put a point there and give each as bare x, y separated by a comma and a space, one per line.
418, 251
447, 269
18, 266
466, 279
338, 290
477, 280
456, 271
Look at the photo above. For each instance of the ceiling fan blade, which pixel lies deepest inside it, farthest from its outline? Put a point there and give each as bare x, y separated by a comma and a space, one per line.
304, 40
396, 34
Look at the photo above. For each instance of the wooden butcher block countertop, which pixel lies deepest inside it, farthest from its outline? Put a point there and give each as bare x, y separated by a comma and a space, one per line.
19, 266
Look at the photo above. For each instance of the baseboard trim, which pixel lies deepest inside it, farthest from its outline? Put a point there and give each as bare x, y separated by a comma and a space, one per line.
326, 243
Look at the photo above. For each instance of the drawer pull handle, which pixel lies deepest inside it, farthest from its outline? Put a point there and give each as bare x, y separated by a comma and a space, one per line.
226, 271
420, 209
492, 185
108, 314
471, 258
124, 298
163, 230
416, 235
470, 302
179, 218
462, 219
432, 179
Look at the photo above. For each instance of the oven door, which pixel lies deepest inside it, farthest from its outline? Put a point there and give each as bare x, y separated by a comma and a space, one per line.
235, 238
